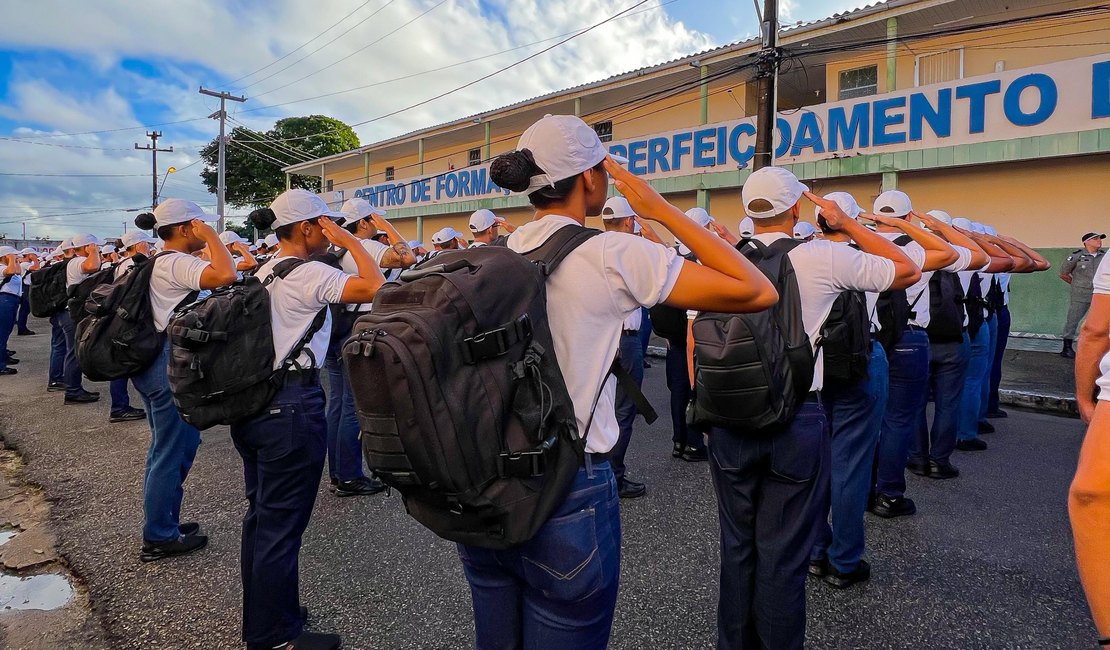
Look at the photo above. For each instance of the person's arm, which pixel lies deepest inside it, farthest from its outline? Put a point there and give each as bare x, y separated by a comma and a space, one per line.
399, 255
1094, 343
1042, 264
221, 268
1022, 262
36, 264
725, 281
938, 253
248, 262
1089, 510
906, 272
92, 262
359, 288
1000, 260
509, 228
12, 267
648, 233
956, 237
723, 232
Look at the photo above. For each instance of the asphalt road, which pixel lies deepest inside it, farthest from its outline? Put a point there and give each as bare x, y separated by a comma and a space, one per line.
987, 562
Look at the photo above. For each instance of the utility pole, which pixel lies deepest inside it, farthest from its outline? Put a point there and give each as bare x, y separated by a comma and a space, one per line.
768, 85
222, 116
153, 149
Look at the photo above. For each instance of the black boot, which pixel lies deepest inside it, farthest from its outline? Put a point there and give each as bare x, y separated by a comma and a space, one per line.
1067, 352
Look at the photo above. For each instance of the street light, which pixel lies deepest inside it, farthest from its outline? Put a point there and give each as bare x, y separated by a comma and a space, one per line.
168, 172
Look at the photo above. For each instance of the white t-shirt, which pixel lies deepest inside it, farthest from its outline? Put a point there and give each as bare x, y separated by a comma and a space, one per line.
916, 253
12, 285
173, 278
377, 251
477, 244
918, 294
589, 296
294, 303
123, 266
24, 267
824, 269
1102, 286
1004, 284
74, 274
634, 320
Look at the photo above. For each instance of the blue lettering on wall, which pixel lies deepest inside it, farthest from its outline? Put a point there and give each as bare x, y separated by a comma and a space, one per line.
882, 119
977, 106
848, 131
703, 144
658, 148
809, 135
1047, 93
939, 117
636, 156
1100, 90
680, 148
785, 132
741, 156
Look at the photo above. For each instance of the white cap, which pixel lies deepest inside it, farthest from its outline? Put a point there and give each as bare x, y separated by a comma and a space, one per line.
776, 185
271, 240
294, 206
7, 250
960, 222
107, 248
617, 207
133, 237
416, 244
252, 248
57, 252
941, 215
260, 242
229, 237
893, 203
79, 241
360, 208
563, 146
978, 227
482, 220
847, 203
66, 244
445, 235
636, 229
28, 251
699, 216
174, 211
990, 230
747, 227
804, 230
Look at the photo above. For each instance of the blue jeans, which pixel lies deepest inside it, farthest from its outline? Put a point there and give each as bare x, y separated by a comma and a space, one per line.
631, 357
24, 309
645, 329
57, 350
121, 401
772, 489
909, 383
985, 384
855, 416
71, 372
999, 354
678, 383
972, 397
283, 452
558, 590
173, 446
9, 305
947, 370
344, 447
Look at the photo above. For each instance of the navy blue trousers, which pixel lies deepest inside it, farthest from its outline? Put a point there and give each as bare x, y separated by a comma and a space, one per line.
631, 357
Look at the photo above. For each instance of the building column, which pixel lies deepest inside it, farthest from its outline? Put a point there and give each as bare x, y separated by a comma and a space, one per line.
420, 153
366, 167
288, 181
486, 154
891, 54
703, 194
420, 229
890, 181
578, 107
323, 171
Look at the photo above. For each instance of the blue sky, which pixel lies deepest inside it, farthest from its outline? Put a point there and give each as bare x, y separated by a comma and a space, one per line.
73, 69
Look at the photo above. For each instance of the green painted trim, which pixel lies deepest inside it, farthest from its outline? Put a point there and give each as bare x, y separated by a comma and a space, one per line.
891, 54
578, 107
942, 157
703, 199
288, 181
420, 154
366, 166
704, 95
420, 229
890, 181
486, 154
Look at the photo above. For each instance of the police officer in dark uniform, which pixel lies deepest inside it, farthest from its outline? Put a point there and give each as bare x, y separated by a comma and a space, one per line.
1079, 272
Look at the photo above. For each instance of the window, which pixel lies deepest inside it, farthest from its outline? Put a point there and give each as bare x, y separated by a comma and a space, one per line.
604, 130
859, 82
388, 173
330, 185
938, 67
474, 157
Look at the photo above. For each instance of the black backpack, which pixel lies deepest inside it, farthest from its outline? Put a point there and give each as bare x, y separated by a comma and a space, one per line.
752, 371
946, 310
974, 304
846, 339
48, 294
117, 338
80, 292
222, 352
893, 310
460, 399
670, 323
996, 299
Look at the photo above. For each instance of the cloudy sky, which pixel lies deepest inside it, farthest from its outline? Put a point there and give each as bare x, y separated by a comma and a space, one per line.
80, 81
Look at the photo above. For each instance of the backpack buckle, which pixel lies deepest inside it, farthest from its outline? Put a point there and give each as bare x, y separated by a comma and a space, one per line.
524, 464
496, 342
200, 336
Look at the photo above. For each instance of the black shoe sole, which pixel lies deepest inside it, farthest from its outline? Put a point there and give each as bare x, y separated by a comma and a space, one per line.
631, 495
358, 493
126, 418
147, 556
26, 333
890, 514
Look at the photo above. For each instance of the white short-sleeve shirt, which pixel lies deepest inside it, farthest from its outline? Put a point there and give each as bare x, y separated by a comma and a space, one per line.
597, 286
1102, 286
12, 285
74, 274
294, 303
24, 268
825, 269
377, 251
173, 278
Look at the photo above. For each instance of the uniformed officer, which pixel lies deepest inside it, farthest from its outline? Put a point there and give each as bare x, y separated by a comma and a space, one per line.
1079, 272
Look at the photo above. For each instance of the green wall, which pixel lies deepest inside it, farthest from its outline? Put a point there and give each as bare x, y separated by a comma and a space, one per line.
1039, 301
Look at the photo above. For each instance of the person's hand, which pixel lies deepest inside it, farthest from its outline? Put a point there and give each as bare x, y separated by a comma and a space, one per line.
1086, 409
643, 198
505, 224
834, 216
928, 220
203, 229
241, 248
723, 232
337, 235
378, 220
893, 222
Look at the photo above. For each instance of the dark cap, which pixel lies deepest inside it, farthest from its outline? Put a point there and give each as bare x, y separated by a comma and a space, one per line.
1092, 235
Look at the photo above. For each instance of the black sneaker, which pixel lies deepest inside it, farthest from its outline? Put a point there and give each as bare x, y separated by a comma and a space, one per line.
189, 528
921, 468
678, 449
128, 415
994, 415
862, 573
8, 371
181, 546
975, 444
12, 361
819, 568
358, 487
55, 386
891, 507
307, 641
631, 489
82, 398
25, 333
943, 470
693, 455
332, 483
985, 427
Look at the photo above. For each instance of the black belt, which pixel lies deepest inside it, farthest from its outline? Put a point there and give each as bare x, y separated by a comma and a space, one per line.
630, 332
305, 377
599, 458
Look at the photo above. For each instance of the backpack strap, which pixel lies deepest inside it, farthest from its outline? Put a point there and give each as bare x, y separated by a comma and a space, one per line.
903, 240
560, 244
280, 271
628, 385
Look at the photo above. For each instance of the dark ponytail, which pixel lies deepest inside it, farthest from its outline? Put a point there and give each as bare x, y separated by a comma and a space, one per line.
145, 221
262, 218
514, 171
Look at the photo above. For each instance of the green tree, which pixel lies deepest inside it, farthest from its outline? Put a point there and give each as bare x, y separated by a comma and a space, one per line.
242, 228
252, 179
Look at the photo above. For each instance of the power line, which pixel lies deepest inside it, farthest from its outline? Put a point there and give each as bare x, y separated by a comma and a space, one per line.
264, 157
70, 175
293, 152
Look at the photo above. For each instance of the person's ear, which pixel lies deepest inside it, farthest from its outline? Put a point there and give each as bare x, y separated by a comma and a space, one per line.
591, 178
796, 212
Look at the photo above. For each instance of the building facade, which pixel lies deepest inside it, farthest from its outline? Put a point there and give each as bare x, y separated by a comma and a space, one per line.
1000, 113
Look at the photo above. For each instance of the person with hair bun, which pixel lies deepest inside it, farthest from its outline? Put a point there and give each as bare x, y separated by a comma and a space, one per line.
283, 446
559, 589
